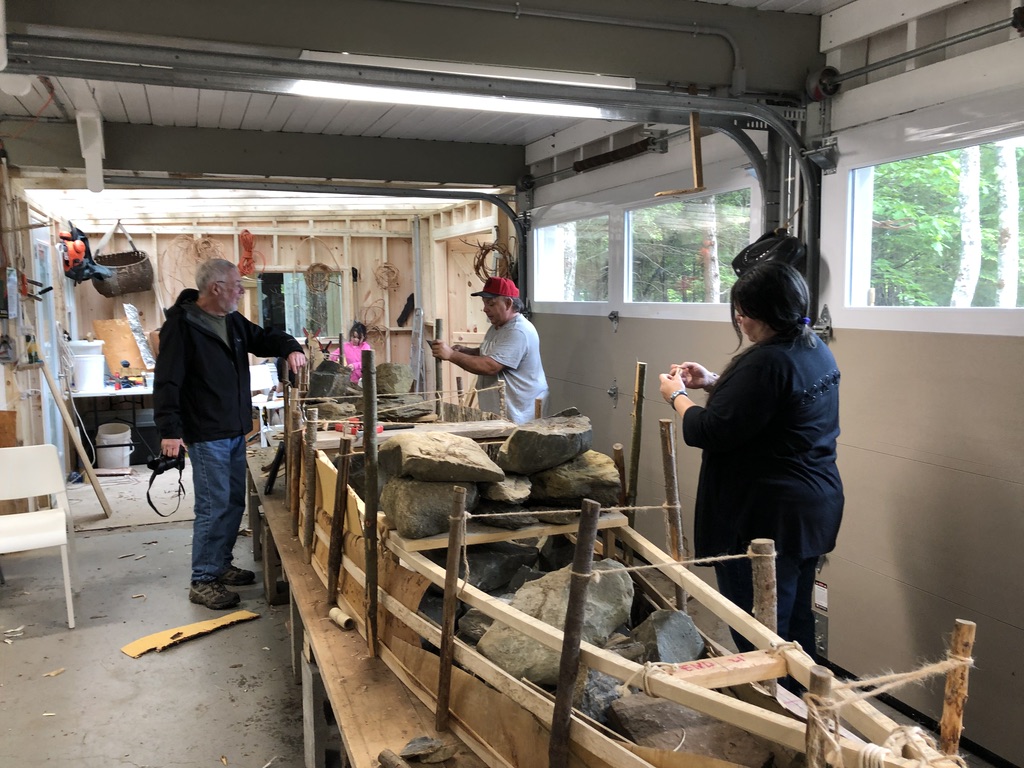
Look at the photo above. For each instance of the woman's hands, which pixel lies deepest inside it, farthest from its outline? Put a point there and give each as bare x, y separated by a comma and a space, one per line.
694, 375
671, 383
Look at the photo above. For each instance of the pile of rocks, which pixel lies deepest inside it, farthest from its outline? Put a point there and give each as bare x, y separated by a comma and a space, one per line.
542, 466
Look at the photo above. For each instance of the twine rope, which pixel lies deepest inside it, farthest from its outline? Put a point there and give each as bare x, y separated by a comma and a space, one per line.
824, 712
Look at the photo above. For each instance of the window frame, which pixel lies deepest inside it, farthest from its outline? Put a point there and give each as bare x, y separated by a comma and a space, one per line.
616, 203
979, 120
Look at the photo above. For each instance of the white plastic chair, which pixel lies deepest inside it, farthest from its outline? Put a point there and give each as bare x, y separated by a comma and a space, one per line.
25, 473
263, 379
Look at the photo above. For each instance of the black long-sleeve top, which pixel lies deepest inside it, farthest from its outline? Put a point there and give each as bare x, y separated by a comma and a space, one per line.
201, 385
768, 468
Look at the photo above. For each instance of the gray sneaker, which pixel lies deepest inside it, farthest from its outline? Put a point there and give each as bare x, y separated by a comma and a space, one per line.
213, 595
237, 577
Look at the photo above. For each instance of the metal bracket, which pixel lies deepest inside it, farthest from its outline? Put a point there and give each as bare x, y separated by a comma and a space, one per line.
659, 139
824, 154
614, 317
613, 393
824, 325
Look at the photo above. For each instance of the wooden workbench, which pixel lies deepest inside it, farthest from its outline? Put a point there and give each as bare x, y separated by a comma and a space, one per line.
374, 710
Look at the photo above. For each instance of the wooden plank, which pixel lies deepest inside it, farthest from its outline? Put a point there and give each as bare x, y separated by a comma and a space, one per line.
8, 429
778, 728
860, 714
737, 669
119, 344
480, 533
595, 748
388, 718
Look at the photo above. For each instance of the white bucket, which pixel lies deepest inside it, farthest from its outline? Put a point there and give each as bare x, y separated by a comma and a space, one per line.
86, 347
119, 437
89, 373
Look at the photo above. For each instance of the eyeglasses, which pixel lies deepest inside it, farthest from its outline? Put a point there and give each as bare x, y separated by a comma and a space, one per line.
235, 285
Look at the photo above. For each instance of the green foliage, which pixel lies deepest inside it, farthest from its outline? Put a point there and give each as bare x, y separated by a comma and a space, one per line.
670, 244
915, 242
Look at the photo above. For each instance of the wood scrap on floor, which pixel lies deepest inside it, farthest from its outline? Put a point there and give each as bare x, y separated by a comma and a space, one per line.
168, 637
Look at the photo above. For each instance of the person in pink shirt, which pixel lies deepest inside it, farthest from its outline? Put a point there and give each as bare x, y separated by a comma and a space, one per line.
353, 350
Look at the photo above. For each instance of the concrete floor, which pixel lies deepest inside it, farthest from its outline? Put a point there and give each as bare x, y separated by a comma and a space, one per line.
227, 698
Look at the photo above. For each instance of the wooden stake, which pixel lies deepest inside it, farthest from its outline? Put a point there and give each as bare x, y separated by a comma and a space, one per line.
673, 515
620, 465
372, 500
538, 408
337, 544
952, 723
458, 390
456, 536
294, 459
766, 593
309, 468
69, 425
389, 759
438, 366
817, 738
634, 446
569, 664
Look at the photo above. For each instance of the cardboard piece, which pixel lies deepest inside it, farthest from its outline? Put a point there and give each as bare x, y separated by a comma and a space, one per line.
119, 345
8, 429
169, 637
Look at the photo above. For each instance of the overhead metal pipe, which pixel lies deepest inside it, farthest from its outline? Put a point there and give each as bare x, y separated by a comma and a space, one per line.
56, 54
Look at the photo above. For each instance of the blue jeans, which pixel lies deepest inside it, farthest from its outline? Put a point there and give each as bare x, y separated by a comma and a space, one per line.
218, 477
795, 583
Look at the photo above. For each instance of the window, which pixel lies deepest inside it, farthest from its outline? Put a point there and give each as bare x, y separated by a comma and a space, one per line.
300, 301
681, 251
939, 230
572, 261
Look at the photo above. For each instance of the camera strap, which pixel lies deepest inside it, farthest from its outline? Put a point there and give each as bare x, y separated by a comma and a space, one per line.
181, 492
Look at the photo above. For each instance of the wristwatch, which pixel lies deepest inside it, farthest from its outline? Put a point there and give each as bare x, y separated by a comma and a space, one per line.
674, 395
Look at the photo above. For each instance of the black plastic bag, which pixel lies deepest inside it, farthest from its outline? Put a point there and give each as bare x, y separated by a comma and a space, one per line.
777, 245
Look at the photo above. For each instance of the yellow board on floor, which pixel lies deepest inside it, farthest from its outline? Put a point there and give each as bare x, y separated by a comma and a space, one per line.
169, 637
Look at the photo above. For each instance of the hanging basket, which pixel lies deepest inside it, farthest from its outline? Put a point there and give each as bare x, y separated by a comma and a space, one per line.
133, 271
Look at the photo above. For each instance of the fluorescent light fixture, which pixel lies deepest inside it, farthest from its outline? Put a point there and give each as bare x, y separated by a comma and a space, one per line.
475, 70
325, 90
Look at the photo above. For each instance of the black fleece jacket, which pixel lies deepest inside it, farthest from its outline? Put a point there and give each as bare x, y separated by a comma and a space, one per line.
201, 386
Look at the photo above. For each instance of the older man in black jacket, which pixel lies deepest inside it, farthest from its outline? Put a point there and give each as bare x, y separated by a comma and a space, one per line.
202, 399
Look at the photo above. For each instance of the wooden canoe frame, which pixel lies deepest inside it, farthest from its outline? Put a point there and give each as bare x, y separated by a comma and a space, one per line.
501, 719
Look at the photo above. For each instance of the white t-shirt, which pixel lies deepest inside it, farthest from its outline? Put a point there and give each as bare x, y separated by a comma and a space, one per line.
516, 346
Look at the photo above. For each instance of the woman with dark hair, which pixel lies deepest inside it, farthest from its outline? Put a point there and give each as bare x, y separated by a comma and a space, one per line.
768, 434
351, 352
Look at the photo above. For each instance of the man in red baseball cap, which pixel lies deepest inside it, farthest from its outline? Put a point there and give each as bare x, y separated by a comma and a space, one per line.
510, 352
498, 286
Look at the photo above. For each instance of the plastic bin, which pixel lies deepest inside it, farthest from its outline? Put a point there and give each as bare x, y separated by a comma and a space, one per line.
86, 347
118, 439
90, 373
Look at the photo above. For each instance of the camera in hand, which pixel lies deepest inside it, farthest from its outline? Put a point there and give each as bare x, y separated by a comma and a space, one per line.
163, 463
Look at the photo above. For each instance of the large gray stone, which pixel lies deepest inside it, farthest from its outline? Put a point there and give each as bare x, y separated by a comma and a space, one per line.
508, 516
514, 489
607, 606
670, 637
545, 443
591, 475
663, 724
408, 407
393, 379
419, 509
437, 457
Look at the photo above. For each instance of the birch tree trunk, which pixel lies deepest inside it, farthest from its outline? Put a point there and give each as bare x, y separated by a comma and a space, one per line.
1008, 200
970, 228
712, 272
570, 255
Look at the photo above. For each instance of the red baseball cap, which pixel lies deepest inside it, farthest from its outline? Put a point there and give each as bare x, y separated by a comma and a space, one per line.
498, 286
